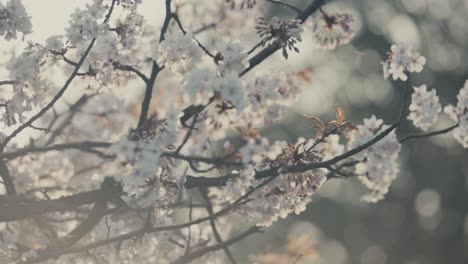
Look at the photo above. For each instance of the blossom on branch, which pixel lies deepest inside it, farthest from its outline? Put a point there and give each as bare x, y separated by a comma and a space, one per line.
13, 19
459, 114
284, 34
401, 60
332, 30
232, 58
378, 165
424, 107
179, 52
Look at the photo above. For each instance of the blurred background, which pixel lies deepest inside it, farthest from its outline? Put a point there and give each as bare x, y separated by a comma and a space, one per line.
424, 218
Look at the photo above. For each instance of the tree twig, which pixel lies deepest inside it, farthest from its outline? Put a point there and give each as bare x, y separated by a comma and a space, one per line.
430, 134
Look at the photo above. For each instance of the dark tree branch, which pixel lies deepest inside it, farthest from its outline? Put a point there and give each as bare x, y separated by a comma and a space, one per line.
130, 68
205, 27
96, 214
67, 60
166, 21
197, 254
281, 3
149, 229
189, 236
15, 209
7, 82
74, 108
177, 19
142, 121
187, 135
7, 180
430, 134
84, 145
403, 105
209, 208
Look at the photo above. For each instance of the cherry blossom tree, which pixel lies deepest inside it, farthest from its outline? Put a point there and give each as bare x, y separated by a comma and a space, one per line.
179, 176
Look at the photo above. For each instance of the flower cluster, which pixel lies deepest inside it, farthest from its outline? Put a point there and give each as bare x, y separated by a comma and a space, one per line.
179, 52
84, 23
13, 19
232, 58
231, 88
424, 107
401, 60
284, 34
256, 151
332, 30
29, 87
459, 114
378, 165
128, 28
290, 191
235, 187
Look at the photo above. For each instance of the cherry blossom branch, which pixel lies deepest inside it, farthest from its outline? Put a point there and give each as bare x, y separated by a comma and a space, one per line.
52, 102
147, 230
430, 134
199, 253
313, 6
177, 19
154, 73
192, 182
61, 91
